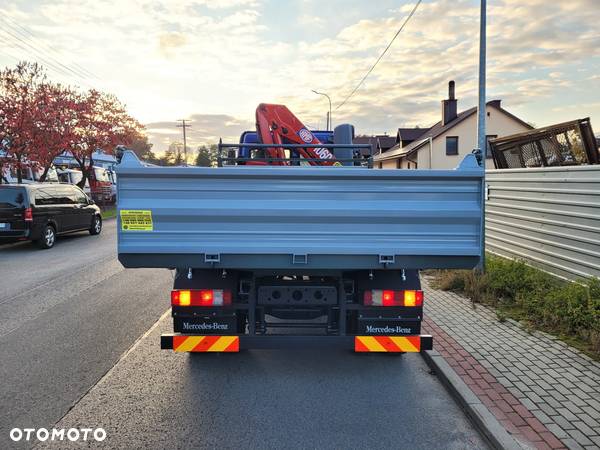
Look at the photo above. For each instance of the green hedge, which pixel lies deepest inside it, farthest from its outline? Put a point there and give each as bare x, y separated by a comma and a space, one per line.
570, 310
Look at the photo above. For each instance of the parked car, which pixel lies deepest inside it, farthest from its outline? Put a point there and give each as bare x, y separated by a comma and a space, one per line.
30, 173
73, 176
9, 174
40, 212
97, 186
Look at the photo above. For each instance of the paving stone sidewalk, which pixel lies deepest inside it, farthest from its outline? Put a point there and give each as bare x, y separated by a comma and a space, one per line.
545, 393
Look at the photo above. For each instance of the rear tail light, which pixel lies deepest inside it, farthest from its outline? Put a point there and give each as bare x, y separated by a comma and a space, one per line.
201, 297
28, 215
378, 297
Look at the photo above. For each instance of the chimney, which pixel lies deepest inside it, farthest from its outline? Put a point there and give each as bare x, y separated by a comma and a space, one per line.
449, 106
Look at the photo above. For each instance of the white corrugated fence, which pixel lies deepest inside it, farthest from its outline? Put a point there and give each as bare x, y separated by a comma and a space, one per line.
547, 216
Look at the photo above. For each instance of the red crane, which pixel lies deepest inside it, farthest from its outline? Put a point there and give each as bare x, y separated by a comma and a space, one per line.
276, 124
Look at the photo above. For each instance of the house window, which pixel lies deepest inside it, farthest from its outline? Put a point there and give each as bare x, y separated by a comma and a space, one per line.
452, 145
488, 148
398, 163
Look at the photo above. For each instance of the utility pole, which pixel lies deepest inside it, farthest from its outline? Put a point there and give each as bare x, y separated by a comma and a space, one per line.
184, 126
481, 113
329, 122
481, 141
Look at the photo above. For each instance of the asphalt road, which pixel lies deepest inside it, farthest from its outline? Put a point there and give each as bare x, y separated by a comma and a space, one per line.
67, 315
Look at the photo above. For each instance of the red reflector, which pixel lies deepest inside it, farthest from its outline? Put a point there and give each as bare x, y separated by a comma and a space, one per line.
28, 215
377, 297
388, 298
420, 298
206, 297
202, 297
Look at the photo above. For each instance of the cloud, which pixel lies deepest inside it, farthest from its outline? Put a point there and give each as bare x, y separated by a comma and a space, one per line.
528, 59
309, 20
170, 41
169, 59
580, 107
219, 4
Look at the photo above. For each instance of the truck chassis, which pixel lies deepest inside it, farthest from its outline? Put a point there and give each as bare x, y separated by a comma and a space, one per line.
266, 308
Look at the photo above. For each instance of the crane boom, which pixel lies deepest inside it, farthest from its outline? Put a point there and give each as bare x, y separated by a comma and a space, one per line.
276, 124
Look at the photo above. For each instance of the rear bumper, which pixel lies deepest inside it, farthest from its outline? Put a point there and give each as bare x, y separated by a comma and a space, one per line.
234, 343
30, 231
12, 235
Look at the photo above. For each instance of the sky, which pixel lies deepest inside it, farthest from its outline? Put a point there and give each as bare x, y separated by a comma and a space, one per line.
214, 61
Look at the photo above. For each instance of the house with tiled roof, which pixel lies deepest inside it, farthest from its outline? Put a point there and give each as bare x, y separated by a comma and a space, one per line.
380, 143
405, 136
445, 144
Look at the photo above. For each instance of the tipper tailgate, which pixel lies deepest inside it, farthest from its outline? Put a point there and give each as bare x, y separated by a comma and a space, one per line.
298, 217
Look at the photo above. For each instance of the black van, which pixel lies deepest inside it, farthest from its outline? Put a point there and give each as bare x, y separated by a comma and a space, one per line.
40, 211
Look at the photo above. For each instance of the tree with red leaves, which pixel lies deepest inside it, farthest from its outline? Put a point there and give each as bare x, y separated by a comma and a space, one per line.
102, 123
18, 109
39, 120
54, 121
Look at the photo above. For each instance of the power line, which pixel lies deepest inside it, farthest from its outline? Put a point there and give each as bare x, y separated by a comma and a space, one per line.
16, 28
14, 37
25, 46
81, 70
380, 56
18, 45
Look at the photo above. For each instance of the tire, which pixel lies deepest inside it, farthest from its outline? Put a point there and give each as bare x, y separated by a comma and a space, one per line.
96, 227
48, 238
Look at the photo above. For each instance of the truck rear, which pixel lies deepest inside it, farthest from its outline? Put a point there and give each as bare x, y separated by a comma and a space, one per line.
296, 256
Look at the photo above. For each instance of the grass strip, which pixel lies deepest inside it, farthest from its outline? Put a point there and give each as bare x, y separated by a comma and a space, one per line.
540, 301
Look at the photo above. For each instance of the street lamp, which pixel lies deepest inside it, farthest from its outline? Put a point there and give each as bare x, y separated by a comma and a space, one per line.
329, 115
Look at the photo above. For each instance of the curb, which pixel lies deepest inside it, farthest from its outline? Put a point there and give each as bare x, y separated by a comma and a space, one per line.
484, 420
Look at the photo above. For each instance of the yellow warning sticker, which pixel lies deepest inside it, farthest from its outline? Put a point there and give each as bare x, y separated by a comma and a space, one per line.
136, 220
